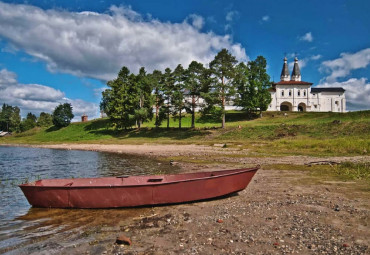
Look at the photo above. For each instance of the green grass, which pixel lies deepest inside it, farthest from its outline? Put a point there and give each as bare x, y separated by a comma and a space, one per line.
356, 175
316, 134
346, 171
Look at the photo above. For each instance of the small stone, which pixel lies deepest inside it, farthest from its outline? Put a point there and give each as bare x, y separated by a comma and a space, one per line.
345, 245
276, 244
122, 239
220, 221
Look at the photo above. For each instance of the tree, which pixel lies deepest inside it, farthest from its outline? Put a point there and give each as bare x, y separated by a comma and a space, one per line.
194, 78
15, 120
253, 83
168, 86
145, 98
223, 73
5, 114
45, 120
29, 122
121, 102
62, 115
156, 81
10, 118
177, 100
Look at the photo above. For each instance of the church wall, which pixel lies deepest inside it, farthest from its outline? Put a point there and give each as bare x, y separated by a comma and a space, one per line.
328, 102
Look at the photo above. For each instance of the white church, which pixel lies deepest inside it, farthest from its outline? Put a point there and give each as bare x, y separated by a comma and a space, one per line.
293, 94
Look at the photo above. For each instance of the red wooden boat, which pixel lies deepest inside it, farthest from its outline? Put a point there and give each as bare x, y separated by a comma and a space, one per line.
128, 191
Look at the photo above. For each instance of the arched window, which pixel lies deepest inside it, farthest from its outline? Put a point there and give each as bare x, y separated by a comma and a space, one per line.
282, 93
299, 92
290, 93
304, 92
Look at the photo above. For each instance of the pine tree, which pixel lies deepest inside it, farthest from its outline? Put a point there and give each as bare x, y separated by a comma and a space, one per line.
145, 98
156, 81
177, 100
168, 86
194, 80
223, 86
121, 100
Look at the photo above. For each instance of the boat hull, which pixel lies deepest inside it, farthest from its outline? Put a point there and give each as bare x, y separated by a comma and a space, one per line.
135, 191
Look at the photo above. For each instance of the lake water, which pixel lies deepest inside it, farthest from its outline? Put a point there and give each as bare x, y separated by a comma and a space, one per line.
19, 223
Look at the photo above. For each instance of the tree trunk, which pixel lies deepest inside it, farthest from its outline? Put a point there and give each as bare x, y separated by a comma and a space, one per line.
223, 103
156, 111
168, 116
180, 119
192, 111
139, 119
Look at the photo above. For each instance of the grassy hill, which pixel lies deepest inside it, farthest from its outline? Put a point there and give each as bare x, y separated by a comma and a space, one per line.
299, 133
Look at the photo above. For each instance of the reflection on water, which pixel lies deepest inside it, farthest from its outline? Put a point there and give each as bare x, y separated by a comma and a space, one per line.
20, 223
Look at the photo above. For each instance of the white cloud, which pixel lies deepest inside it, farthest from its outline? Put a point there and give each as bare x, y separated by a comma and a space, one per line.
38, 98
342, 67
307, 37
97, 45
316, 57
231, 15
265, 18
7, 78
196, 20
357, 92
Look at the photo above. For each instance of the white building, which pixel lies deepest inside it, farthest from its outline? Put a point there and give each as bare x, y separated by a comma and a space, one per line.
293, 94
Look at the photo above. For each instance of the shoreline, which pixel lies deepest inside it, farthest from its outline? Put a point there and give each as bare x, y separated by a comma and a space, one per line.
193, 151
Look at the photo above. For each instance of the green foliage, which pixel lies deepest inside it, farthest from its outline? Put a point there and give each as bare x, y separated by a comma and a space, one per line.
156, 79
45, 120
177, 99
29, 122
222, 80
252, 84
354, 171
144, 111
62, 115
168, 87
10, 118
195, 78
122, 99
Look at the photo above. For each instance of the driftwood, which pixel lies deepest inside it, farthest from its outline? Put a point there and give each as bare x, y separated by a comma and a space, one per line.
145, 217
323, 162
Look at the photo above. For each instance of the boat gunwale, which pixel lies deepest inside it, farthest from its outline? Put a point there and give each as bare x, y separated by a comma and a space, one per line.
146, 184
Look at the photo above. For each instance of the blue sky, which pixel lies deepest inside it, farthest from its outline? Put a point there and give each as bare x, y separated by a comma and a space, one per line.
64, 51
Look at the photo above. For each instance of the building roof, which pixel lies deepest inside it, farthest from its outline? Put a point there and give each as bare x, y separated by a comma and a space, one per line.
285, 70
293, 83
336, 89
296, 74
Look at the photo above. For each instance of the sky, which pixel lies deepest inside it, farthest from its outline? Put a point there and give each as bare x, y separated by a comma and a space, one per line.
58, 51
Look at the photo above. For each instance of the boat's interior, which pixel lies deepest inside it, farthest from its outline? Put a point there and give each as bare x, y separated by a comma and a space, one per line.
126, 180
